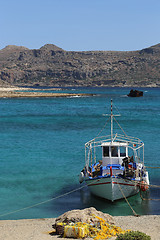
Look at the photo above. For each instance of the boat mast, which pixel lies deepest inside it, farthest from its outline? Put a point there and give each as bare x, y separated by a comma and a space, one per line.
111, 123
111, 116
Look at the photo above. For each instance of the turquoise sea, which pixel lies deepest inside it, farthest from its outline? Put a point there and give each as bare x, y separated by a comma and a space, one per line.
42, 150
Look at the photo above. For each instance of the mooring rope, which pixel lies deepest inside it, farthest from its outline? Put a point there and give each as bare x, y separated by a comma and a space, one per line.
149, 185
49, 200
146, 184
135, 214
152, 167
74, 190
40, 203
148, 199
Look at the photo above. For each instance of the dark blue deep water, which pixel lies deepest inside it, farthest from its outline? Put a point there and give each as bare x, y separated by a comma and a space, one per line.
42, 150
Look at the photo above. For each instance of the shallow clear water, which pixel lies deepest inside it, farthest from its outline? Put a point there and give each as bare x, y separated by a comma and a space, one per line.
42, 150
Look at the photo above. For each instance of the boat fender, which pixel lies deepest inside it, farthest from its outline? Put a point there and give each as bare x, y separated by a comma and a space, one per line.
143, 186
81, 177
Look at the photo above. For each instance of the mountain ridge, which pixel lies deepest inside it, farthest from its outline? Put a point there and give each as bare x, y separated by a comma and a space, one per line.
53, 66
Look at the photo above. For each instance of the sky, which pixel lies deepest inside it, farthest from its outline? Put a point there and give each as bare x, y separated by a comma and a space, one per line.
80, 25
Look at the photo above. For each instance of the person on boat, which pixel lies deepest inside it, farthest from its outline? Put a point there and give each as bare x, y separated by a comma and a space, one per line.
97, 169
128, 166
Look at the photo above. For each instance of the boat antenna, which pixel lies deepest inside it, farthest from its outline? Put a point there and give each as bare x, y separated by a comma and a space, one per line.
111, 117
111, 123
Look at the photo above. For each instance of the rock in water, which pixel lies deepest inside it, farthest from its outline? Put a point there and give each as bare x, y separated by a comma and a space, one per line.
135, 93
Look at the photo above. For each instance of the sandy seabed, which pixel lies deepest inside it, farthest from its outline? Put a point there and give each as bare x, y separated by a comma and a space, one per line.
40, 229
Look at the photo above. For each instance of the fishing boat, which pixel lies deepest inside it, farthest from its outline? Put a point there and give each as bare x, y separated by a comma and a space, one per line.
114, 164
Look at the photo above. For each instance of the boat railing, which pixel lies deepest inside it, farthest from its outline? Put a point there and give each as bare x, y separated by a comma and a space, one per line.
134, 143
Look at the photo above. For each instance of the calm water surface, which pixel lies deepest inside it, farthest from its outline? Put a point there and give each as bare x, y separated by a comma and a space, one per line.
42, 150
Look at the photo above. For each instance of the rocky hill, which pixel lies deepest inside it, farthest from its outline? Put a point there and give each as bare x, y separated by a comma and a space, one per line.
53, 66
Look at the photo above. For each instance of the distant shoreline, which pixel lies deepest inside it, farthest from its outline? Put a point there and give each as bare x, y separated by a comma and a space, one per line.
18, 92
40, 91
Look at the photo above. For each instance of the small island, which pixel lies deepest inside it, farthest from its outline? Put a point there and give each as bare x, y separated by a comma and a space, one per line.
135, 93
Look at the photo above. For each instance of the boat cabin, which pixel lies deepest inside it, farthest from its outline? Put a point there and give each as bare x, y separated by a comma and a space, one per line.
113, 152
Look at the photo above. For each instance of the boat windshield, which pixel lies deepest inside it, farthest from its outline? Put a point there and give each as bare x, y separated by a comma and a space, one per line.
106, 151
114, 151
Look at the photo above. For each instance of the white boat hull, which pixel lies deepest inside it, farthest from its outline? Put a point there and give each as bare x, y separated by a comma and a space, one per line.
112, 188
